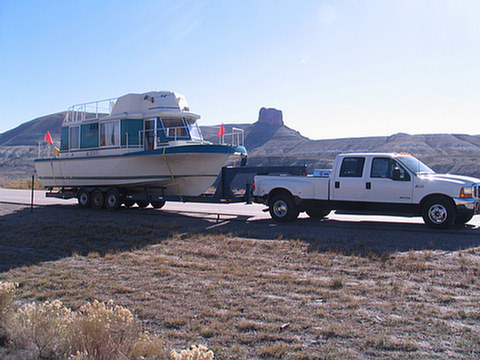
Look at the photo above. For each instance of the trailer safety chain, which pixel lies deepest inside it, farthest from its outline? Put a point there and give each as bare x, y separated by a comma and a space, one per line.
171, 175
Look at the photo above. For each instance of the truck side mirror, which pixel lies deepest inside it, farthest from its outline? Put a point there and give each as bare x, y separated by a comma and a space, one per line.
397, 174
400, 175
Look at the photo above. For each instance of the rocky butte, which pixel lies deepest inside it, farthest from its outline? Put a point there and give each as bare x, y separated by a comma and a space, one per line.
270, 116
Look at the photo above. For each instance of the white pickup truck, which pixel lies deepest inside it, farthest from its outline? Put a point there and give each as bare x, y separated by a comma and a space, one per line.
373, 183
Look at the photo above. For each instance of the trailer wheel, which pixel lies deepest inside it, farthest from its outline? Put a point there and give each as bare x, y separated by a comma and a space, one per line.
97, 199
142, 204
128, 203
83, 197
112, 199
158, 204
317, 213
438, 212
282, 208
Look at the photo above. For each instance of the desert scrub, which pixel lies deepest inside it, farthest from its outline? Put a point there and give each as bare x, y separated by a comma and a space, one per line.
7, 290
102, 331
199, 352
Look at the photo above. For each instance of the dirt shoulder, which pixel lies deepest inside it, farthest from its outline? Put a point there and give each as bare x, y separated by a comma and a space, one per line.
259, 290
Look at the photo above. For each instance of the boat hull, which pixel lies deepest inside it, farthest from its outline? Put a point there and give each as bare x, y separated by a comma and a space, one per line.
184, 171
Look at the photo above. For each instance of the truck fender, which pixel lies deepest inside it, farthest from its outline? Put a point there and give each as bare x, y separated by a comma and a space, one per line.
278, 191
429, 196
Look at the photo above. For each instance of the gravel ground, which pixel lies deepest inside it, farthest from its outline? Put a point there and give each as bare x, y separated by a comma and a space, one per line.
325, 235
342, 289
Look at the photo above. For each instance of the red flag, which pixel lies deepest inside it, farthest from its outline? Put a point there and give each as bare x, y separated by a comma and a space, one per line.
221, 131
48, 138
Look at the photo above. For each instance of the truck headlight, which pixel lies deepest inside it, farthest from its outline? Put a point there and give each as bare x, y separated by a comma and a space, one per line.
466, 192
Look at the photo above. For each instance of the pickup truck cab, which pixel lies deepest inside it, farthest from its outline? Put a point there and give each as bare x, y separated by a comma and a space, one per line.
373, 183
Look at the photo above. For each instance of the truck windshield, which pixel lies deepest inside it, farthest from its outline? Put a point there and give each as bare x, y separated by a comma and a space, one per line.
415, 165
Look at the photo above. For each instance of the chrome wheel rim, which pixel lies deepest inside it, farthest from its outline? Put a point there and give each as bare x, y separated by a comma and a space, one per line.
112, 200
280, 209
83, 198
437, 214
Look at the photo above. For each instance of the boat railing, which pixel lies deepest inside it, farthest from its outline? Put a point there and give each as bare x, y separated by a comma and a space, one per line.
91, 110
235, 137
46, 150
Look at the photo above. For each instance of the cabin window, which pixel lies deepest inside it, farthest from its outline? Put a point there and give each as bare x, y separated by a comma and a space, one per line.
64, 139
175, 128
89, 136
110, 133
131, 129
389, 169
352, 167
74, 140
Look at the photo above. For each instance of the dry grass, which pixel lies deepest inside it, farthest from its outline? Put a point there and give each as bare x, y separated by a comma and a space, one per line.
265, 299
97, 331
21, 184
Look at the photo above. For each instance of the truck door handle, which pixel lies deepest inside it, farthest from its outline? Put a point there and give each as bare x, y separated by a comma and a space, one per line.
337, 184
368, 185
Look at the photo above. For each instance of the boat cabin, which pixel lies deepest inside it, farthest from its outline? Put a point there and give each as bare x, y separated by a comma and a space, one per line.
134, 121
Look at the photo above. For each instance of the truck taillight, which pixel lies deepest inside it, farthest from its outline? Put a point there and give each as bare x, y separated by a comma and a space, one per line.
253, 186
466, 192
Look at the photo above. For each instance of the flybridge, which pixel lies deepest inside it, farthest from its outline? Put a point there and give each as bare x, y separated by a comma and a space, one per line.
90, 111
130, 104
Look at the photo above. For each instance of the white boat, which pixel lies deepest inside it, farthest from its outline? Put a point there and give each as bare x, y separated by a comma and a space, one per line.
138, 141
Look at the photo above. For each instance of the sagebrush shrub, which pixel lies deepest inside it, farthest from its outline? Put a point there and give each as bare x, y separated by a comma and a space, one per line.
199, 352
98, 331
7, 291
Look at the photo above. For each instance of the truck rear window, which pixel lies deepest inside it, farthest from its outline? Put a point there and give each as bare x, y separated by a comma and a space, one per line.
352, 167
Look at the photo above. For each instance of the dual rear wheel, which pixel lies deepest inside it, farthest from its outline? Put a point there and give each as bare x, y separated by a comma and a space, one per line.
283, 208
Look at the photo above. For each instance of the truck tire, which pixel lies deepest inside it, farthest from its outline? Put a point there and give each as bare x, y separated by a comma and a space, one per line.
317, 213
463, 219
438, 212
112, 199
83, 197
142, 204
158, 204
282, 208
97, 199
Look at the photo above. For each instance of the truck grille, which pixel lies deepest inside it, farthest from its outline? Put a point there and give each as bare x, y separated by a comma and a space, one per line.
476, 191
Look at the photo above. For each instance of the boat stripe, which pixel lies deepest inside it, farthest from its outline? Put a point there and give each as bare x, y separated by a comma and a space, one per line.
184, 149
120, 177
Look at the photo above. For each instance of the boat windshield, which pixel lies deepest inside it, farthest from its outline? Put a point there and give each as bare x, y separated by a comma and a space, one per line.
180, 129
415, 165
195, 132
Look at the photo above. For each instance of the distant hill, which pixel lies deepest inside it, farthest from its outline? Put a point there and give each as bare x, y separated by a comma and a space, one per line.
31, 132
270, 142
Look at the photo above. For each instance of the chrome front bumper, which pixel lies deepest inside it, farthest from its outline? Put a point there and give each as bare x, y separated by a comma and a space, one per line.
467, 205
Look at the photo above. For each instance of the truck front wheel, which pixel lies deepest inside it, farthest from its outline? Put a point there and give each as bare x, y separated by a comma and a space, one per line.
282, 208
438, 212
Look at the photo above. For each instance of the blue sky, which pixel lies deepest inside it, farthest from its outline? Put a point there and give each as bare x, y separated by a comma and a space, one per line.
335, 68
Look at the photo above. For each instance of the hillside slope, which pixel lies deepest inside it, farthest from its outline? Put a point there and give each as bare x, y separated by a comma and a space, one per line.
272, 144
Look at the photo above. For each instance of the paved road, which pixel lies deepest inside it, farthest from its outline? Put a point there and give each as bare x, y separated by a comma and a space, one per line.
251, 212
